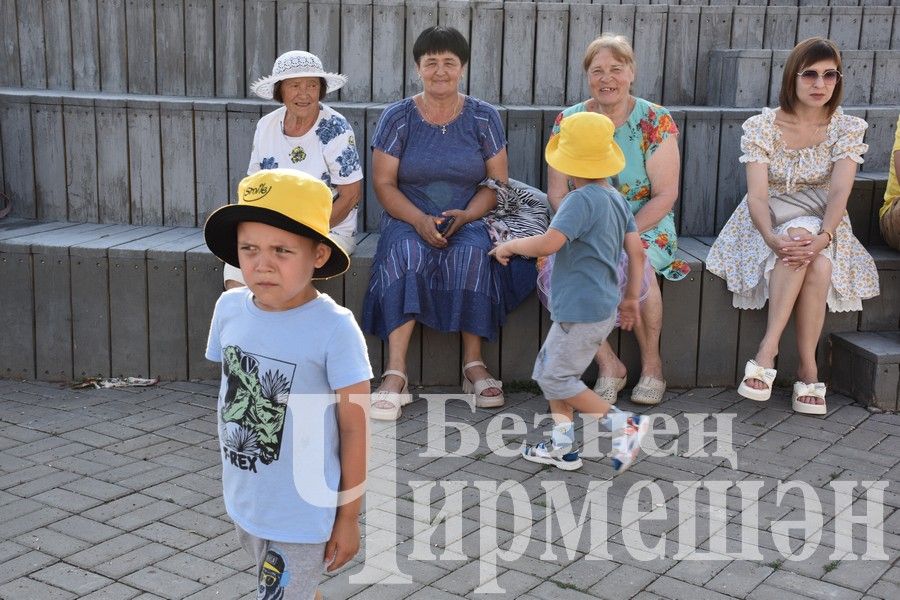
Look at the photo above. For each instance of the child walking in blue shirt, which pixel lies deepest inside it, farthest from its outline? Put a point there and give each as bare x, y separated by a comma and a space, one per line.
293, 400
587, 236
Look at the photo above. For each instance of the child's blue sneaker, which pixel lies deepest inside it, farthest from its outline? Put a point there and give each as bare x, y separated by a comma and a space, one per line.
545, 453
626, 443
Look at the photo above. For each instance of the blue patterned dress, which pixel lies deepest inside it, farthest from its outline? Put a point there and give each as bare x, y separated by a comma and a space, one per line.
457, 288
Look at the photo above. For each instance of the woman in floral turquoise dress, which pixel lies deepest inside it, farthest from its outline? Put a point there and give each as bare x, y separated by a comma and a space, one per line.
648, 137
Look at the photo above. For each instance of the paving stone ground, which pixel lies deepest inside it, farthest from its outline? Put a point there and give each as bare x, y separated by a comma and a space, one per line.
115, 494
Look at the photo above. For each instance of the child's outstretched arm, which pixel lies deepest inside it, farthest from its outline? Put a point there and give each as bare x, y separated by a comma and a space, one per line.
537, 245
629, 308
352, 418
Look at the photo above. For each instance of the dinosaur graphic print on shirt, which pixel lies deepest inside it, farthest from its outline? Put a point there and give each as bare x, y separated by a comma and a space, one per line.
254, 407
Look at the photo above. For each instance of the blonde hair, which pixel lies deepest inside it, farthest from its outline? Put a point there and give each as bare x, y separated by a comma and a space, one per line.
618, 45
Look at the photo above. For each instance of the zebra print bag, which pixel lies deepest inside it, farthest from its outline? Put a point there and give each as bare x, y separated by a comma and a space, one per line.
519, 212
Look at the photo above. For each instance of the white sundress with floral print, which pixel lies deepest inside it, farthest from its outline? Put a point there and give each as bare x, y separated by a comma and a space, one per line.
739, 254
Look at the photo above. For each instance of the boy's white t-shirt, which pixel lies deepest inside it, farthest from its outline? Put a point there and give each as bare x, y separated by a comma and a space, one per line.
278, 433
327, 151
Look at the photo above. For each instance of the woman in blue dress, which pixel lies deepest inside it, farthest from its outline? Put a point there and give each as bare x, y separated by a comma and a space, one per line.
429, 154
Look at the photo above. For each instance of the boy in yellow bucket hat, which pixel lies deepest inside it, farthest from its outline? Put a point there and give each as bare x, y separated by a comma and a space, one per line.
293, 441
587, 236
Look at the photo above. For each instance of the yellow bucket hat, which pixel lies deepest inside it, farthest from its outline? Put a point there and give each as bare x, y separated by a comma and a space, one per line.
585, 147
283, 198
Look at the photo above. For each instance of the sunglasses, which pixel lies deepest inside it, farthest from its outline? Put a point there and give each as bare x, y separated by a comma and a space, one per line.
811, 76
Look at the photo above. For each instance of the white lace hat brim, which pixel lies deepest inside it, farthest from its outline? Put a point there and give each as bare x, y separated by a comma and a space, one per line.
265, 87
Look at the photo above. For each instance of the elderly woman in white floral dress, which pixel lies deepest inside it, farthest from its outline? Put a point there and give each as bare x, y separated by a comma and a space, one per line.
307, 135
806, 147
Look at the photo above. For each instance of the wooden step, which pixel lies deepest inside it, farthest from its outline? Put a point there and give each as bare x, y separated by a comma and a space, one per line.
866, 367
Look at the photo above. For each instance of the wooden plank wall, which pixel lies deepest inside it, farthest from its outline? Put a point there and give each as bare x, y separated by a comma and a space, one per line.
50, 190
112, 163
752, 78
522, 52
107, 286
171, 161
112, 45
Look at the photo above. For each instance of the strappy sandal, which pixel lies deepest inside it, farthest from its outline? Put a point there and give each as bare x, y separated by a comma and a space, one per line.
648, 391
478, 387
753, 371
608, 388
814, 390
394, 399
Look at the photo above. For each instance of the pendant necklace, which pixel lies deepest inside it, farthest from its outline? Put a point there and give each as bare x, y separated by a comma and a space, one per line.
450, 120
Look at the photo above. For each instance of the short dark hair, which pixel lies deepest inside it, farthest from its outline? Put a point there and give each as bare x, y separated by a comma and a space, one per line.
804, 54
276, 91
435, 40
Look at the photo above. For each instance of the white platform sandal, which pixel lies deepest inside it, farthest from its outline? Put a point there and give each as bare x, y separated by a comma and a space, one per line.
754, 371
478, 387
814, 390
394, 399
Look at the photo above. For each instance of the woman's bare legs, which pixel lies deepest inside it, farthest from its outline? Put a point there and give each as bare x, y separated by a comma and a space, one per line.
785, 283
809, 317
647, 333
398, 346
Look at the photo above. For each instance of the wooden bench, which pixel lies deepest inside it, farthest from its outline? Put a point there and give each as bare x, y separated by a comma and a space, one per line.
728, 337
170, 161
102, 299
99, 299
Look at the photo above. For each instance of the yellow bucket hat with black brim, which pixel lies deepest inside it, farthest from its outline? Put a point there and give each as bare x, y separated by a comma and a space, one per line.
584, 147
284, 198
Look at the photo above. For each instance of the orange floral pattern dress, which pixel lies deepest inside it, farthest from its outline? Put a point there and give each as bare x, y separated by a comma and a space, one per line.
646, 128
741, 257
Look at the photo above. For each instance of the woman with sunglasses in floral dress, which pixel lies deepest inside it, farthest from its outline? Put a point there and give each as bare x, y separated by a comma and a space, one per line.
812, 261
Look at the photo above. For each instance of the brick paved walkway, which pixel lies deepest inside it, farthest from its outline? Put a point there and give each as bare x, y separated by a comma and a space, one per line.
115, 494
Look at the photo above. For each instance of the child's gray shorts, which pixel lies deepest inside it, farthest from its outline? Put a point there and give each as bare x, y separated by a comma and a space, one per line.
566, 353
285, 571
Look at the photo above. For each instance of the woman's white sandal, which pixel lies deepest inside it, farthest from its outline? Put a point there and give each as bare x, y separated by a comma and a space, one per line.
814, 390
608, 388
394, 399
478, 387
753, 371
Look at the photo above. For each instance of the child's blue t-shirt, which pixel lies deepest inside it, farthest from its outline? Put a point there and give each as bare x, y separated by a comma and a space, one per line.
277, 421
594, 219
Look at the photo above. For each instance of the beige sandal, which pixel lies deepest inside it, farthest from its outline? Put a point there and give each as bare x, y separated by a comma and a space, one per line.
649, 390
608, 388
808, 390
752, 370
394, 399
478, 387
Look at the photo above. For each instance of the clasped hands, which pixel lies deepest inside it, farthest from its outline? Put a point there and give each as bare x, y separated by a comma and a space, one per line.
797, 247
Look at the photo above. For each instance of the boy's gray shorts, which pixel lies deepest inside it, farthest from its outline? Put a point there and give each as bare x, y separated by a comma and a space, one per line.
284, 571
566, 353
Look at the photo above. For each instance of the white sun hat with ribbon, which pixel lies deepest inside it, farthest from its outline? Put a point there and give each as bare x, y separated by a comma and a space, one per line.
296, 63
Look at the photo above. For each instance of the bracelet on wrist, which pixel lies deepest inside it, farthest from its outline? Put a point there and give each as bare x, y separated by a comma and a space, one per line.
829, 234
